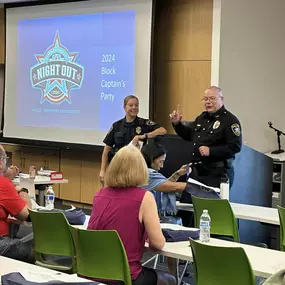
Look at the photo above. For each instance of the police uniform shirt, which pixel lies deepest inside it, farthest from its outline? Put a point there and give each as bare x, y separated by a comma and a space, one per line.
220, 131
122, 132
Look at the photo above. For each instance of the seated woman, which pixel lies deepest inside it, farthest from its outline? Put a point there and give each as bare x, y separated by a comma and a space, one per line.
132, 212
154, 155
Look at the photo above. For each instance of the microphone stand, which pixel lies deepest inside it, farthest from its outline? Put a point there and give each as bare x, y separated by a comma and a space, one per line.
279, 133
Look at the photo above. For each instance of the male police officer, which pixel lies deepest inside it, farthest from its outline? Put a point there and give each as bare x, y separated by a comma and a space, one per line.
215, 138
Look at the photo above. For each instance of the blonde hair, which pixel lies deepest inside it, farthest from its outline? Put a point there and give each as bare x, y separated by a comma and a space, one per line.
127, 168
128, 98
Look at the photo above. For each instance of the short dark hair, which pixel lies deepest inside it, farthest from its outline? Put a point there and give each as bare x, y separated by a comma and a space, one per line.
151, 151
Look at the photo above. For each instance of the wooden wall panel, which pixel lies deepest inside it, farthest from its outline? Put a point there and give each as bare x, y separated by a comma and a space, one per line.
182, 57
183, 29
90, 183
181, 82
70, 165
2, 36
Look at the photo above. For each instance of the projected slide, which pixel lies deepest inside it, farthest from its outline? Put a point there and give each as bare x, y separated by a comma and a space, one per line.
74, 71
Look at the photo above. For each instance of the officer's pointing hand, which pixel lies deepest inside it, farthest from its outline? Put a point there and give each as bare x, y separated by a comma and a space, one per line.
204, 150
176, 116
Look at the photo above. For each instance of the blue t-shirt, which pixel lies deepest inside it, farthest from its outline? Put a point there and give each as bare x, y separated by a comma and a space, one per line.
166, 202
155, 179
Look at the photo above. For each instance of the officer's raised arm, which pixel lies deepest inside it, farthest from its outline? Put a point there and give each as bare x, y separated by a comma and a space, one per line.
183, 131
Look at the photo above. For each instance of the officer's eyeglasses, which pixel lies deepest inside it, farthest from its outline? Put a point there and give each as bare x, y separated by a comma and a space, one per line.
5, 158
211, 99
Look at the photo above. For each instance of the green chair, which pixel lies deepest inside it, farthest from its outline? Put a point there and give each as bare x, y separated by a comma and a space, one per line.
223, 221
281, 213
100, 254
221, 265
52, 237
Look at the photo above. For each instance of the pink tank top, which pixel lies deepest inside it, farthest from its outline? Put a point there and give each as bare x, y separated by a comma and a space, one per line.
118, 209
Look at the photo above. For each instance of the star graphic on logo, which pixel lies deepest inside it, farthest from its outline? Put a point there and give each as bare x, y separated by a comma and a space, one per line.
56, 87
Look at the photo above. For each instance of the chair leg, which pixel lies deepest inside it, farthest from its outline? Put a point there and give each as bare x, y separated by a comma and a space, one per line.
155, 258
182, 274
155, 262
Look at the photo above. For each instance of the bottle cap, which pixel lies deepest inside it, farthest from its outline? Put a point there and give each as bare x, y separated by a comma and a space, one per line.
225, 178
205, 211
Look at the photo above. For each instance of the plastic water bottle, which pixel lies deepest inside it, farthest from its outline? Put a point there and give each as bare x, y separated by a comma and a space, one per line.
225, 187
205, 225
49, 198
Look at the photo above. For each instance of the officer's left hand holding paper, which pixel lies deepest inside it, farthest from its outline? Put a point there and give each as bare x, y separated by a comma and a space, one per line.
138, 144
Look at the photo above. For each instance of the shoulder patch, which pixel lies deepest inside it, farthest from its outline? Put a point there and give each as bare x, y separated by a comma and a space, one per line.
236, 129
150, 123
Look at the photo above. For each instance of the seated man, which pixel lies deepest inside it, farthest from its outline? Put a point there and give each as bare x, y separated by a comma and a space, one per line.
15, 204
11, 172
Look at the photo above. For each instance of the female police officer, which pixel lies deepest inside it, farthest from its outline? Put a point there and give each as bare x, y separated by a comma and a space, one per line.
130, 128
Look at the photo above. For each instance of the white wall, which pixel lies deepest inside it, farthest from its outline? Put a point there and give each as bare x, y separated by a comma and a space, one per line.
251, 69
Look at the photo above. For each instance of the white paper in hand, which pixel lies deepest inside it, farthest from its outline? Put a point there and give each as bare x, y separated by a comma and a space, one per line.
190, 180
139, 145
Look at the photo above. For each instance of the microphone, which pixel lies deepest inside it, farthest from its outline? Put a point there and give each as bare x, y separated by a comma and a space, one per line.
279, 133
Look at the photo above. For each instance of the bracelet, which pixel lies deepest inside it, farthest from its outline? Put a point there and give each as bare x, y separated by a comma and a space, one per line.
175, 176
176, 173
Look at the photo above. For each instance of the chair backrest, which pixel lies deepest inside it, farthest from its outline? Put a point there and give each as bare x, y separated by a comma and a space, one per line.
52, 234
223, 221
281, 213
101, 254
221, 265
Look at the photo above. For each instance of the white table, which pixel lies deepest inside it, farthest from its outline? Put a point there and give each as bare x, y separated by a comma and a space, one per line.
246, 212
36, 273
264, 262
26, 182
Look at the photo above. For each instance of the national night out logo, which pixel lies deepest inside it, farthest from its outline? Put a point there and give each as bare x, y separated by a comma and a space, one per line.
56, 73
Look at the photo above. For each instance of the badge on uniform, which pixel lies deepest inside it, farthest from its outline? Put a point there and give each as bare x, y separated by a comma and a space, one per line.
236, 129
150, 123
216, 125
138, 130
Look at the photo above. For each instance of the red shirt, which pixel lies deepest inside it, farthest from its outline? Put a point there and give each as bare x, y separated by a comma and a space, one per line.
10, 204
118, 209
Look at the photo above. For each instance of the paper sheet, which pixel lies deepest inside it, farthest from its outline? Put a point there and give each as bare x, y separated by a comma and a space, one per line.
176, 227
41, 277
190, 180
140, 144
